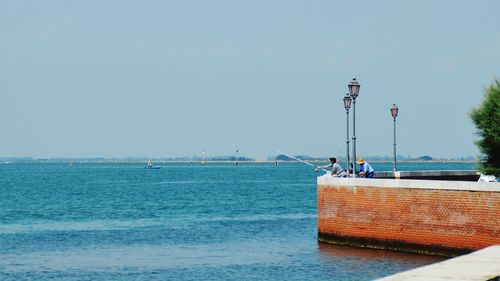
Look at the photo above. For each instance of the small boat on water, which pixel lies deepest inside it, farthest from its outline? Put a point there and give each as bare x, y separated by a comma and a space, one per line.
150, 166
153, 167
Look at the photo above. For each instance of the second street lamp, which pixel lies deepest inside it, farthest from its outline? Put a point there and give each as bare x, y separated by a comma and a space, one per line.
354, 92
347, 106
394, 113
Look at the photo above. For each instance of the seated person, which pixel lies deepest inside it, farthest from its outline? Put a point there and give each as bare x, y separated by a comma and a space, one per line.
336, 168
365, 169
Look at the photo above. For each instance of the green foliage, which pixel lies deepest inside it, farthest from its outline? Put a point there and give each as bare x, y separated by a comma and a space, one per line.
486, 117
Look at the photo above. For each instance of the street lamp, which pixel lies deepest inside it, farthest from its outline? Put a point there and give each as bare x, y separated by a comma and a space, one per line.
354, 92
394, 113
347, 106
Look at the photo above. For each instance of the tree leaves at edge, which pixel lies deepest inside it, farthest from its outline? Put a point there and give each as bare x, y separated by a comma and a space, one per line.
486, 117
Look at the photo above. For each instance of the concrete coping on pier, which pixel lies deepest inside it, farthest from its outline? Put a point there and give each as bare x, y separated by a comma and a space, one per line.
429, 174
480, 265
329, 180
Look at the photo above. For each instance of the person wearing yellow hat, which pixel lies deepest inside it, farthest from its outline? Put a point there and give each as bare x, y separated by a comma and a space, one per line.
365, 169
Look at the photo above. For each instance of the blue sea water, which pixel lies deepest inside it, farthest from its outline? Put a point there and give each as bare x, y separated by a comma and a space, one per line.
254, 221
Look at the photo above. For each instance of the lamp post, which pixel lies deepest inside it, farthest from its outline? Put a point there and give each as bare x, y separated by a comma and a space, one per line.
347, 106
394, 113
354, 92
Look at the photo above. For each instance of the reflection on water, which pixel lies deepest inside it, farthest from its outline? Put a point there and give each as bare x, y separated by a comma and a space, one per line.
329, 250
353, 260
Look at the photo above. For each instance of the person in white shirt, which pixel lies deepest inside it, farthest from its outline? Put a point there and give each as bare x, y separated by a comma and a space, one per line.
336, 168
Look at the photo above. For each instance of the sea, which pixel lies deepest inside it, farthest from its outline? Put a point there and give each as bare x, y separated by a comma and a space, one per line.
185, 221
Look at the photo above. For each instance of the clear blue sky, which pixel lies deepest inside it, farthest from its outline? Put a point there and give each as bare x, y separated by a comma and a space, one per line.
174, 78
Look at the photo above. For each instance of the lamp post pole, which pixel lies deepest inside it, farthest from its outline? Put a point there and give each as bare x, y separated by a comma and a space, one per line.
394, 113
354, 138
354, 92
347, 105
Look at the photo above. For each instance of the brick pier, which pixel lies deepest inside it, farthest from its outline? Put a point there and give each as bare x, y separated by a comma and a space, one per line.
426, 216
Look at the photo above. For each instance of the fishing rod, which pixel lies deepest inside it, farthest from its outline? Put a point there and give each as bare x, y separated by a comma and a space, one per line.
300, 160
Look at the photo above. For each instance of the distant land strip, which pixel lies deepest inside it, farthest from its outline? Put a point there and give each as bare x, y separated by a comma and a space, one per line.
375, 159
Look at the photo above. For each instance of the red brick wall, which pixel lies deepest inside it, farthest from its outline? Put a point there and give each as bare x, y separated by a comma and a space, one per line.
455, 219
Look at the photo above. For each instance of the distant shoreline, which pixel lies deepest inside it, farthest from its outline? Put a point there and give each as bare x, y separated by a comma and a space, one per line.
121, 161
